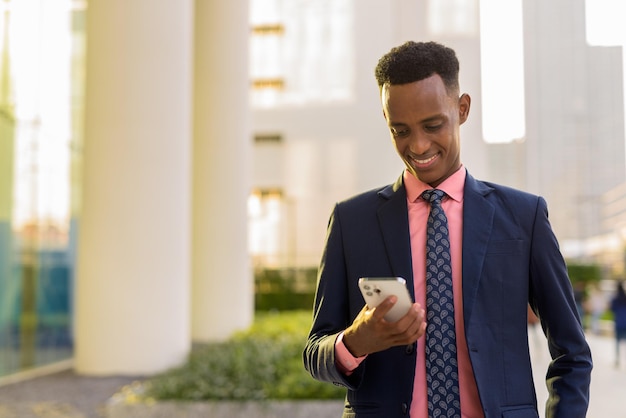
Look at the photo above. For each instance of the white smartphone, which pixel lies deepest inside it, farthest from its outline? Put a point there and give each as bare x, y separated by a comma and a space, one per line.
376, 289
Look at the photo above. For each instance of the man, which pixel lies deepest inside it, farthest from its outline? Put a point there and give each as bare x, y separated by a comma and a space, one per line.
503, 256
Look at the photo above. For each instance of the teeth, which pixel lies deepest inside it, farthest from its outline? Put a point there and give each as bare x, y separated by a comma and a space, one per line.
425, 161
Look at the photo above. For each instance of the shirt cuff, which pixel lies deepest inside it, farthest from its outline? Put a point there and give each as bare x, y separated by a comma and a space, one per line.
345, 361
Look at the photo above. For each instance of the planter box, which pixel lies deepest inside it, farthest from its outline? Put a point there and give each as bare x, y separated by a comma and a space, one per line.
120, 408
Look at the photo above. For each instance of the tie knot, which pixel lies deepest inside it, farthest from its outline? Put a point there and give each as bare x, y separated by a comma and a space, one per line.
433, 195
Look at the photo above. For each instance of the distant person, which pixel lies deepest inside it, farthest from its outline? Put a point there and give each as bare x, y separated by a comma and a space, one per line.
618, 307
490, 252
597, 306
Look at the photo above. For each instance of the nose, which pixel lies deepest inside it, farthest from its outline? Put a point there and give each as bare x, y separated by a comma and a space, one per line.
418, 143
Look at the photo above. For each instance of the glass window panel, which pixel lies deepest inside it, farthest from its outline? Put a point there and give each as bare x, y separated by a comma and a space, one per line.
41, 61
312, 54
268, 213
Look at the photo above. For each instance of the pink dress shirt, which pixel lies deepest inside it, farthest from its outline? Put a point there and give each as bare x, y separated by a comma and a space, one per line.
418, 216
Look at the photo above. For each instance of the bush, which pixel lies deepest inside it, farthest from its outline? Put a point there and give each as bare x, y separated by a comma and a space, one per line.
284, 289
264, 362
584, 273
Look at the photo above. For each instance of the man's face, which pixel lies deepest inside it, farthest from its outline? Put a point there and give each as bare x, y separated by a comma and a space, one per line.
424, 123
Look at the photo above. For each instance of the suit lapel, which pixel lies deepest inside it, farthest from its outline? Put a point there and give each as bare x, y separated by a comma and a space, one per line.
477, 225
393, 219
478, 215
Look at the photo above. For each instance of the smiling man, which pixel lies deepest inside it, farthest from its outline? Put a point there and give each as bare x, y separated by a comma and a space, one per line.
424, 120
474, 256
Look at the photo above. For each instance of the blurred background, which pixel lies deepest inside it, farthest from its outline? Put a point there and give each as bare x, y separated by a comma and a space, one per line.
167, 169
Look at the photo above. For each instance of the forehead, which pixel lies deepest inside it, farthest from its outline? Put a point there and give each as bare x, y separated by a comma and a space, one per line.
427, 97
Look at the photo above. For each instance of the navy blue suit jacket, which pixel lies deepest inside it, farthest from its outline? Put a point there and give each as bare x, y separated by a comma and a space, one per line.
510, 258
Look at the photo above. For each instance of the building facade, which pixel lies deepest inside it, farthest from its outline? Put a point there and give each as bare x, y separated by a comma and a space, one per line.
203, 139
314, 149
571, 153
574, 148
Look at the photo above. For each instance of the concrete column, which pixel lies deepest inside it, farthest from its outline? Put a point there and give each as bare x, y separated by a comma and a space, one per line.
133, 272
222, 280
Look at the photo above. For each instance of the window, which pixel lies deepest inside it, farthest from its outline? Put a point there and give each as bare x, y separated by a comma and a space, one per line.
268, 213
300, 51
41, 60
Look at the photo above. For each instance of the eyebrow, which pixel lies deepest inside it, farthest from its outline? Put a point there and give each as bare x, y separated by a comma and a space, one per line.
435, 118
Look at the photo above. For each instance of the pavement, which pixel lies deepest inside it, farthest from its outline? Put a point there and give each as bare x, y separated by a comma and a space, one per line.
62, 394
65, 394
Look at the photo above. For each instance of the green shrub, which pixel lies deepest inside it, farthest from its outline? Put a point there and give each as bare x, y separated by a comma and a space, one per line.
284, 289
264, 362
584, 273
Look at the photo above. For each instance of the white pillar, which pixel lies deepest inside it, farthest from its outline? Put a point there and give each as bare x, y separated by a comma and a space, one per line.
133, 273
223, 294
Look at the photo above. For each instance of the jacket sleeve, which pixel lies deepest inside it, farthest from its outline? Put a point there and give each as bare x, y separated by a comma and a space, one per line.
331, 313
551, 295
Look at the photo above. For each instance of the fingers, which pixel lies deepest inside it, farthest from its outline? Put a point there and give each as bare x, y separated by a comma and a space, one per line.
385, 306
370, 332
410, 327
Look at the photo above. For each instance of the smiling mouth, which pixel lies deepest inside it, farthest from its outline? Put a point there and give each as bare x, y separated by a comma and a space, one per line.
425, 161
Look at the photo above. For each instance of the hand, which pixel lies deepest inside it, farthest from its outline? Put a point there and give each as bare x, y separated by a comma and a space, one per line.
370, 332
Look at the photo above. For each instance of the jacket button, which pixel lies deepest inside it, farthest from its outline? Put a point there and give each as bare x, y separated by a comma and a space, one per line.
409, 349
405, 409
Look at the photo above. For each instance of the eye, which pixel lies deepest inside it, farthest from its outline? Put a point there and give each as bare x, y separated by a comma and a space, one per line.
433, 128
399, 132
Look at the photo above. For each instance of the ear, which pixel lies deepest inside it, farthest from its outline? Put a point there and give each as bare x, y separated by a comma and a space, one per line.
382, 101
464, 107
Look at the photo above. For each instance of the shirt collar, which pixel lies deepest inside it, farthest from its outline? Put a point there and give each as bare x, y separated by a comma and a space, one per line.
453, 185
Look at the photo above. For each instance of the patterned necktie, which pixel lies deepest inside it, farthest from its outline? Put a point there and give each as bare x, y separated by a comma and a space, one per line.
442, 375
